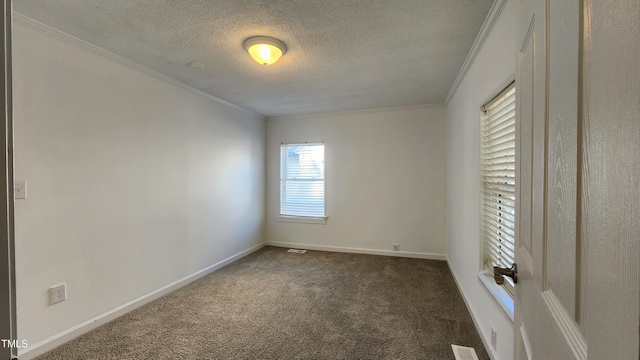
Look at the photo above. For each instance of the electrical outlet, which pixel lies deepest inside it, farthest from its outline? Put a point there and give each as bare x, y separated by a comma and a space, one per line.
20, 189
494, 338
396, 247
58, 293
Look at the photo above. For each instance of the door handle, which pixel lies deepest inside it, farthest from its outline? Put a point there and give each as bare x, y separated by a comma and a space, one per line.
499, 274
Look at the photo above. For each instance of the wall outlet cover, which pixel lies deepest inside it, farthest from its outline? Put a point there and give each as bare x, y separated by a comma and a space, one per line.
57, 294
20, 189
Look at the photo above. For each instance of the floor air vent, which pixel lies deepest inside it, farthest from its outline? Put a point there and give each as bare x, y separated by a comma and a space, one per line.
464, 353
297, 251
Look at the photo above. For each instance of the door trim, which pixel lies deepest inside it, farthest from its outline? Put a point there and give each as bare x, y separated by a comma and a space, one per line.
7, 242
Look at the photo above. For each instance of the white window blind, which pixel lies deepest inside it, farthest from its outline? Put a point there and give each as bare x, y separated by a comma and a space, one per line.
499, 176
302, 179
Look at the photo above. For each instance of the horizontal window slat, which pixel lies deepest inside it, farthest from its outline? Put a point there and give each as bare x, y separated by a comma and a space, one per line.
507, 165
303, 178
503, 169
501, 159
504, 224
503, 190
503, 234
502, 243
506, 240
493, 206
503, 220
497, 183
497, 123
500, 250
490, 146
505, 252
499, 112
502, 259
497, 245
307, 214
507, 209
498, 140
491, 209
509, 97
499, 259
498, 174
488, 150
499, 200
495, 178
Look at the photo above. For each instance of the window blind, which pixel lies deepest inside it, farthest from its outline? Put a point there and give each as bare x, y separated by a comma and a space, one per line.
498, 173
302, 180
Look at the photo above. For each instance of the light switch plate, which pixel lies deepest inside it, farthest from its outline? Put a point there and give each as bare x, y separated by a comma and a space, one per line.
20, 189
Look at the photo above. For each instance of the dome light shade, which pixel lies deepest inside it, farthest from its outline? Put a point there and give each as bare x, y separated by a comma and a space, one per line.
265, 50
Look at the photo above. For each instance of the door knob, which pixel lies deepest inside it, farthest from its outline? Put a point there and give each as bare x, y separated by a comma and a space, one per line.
499, 274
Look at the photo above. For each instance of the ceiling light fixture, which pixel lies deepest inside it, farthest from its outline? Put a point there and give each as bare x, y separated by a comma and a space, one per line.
265, 50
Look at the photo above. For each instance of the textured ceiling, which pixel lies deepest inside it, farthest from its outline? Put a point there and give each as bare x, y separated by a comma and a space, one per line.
342, 54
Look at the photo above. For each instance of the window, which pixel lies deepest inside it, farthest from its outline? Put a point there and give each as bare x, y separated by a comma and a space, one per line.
498, 177
302, 180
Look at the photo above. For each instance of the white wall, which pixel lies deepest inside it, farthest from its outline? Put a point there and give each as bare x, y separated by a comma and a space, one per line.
493, 67
385, 181
134, 182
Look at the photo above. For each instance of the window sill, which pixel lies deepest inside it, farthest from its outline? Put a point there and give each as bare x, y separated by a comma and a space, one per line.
302, 219
497, 293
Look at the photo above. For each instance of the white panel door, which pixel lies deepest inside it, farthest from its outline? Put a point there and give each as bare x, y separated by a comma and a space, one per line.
547, 249
578, 180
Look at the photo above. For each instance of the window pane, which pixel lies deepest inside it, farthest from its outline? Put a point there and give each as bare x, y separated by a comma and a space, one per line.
302, 180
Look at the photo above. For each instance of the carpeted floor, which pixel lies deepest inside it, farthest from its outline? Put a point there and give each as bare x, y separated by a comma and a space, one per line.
278, 305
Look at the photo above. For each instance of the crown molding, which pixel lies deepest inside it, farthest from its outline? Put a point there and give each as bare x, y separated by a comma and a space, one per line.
70, 39
483, 34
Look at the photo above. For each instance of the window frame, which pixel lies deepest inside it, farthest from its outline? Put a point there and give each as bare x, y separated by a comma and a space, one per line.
302, 218
486, 258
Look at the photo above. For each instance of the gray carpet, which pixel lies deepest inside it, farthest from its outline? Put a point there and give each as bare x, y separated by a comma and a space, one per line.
278, 305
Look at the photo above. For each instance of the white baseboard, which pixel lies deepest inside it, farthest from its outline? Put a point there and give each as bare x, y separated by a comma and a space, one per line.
476, 322
407, 254
60, 338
